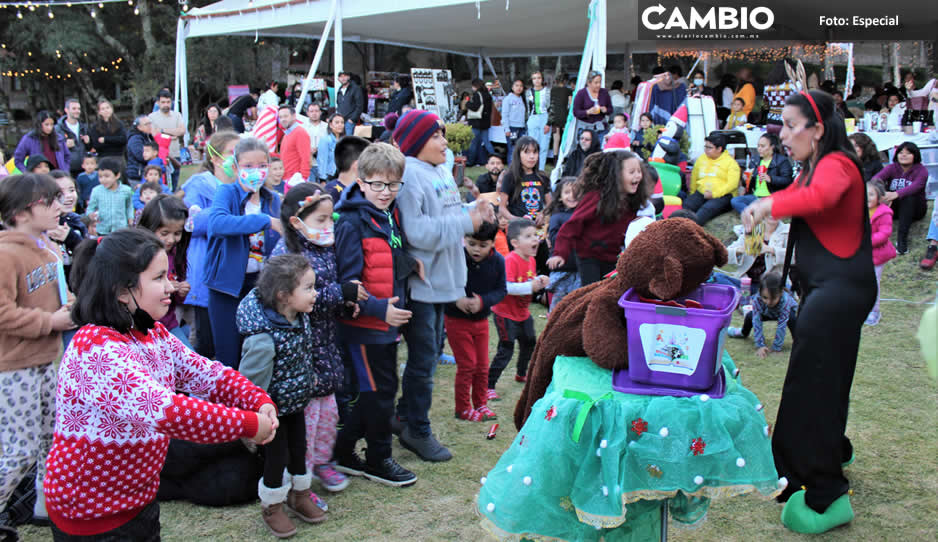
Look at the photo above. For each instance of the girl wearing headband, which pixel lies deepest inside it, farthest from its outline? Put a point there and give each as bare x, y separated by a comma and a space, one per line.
831, 229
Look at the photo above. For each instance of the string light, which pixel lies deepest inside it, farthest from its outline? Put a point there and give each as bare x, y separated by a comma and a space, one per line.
114, 65
19, 14
51, 16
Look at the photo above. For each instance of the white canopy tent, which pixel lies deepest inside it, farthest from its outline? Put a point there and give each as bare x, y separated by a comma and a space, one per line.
474, 28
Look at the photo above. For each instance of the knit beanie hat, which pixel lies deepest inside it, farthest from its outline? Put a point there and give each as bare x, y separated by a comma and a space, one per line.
390, 121
414, 129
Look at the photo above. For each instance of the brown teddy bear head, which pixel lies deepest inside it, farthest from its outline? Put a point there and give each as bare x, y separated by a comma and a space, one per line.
670, 259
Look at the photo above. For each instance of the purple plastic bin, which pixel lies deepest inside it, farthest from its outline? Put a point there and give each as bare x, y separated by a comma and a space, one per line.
676, 347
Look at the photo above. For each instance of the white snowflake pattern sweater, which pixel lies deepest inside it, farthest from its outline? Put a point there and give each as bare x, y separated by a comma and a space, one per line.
117, 409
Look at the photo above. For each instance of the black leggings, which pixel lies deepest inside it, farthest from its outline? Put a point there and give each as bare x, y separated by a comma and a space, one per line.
908, 210
288, 449
592, 270
204, 344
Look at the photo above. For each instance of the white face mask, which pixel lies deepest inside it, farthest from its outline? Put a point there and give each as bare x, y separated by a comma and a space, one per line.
323, 237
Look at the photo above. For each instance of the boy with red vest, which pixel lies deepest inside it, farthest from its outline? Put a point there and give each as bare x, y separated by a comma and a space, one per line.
369, 248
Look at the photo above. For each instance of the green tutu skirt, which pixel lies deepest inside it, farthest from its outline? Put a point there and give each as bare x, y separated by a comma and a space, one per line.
591, 463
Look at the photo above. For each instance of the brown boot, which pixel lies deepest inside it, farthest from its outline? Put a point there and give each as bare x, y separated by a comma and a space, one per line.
275, 518
300, 503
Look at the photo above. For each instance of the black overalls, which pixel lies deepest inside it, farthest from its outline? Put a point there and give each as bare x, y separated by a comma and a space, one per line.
838, 293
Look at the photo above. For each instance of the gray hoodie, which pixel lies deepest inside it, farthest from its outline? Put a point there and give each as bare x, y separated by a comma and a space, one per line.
435, 222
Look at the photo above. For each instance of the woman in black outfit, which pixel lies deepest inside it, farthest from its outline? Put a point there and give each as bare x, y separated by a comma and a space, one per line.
108, 135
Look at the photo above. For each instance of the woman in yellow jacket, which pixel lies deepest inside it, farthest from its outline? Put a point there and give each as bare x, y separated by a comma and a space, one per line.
713, 181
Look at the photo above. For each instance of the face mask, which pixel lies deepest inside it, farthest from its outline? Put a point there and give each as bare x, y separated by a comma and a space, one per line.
252, 177
323, 237
698, 82
143, 322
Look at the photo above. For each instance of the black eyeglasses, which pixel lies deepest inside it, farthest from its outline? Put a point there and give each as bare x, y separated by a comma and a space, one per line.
379, 186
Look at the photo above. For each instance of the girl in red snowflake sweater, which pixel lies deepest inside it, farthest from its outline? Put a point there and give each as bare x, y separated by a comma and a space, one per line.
117, 406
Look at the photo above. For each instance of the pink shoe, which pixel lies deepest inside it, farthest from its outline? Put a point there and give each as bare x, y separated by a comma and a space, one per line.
330, 478
491, 395
486, 413
469, 415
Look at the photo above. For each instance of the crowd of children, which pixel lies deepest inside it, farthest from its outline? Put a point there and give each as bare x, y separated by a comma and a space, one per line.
302, 293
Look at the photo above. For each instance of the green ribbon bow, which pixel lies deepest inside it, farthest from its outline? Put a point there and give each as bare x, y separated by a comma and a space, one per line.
584, 410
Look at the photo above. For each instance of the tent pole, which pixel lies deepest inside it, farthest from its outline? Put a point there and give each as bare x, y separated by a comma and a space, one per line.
599, 50
480, 66
317, 58
488, 62
181, 80
337, 45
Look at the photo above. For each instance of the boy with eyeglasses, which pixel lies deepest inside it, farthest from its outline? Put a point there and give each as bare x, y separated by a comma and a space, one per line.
369, 249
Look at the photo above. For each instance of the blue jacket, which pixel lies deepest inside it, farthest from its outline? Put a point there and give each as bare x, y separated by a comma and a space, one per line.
485, 278
200, 190
226, 259
363, 248
138, 205
325, 157
86, 184
135, 161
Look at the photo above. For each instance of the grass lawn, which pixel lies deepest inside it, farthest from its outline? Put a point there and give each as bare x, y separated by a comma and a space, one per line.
893, 425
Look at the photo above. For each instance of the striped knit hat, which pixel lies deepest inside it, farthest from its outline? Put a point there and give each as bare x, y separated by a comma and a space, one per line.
414, 129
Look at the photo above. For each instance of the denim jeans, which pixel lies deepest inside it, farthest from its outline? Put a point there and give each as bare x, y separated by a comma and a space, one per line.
535, 127
933, 227
314, 174
423, 335
740, 203
480, 142
237, 123
349, 127
516, 134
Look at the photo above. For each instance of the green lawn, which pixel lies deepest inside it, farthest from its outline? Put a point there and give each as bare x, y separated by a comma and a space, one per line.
893, 424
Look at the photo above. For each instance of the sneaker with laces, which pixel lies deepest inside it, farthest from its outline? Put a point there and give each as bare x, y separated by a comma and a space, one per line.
734, 332
469, 415
931, 256
491, 395
426, 447
389, 473
350, 464
330, 478
486, 413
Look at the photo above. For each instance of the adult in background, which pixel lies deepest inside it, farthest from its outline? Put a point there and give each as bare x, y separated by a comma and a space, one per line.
349, 102
269, 98
207, 126
866, 151
295, 145
771, 172
44, 141
479, 114
723, 95
241, 106
169, 123
402, 94
560, 95
592, 105
778, 87
830, 232
294, 98
667, 94
905, 180
76, 136
587, 145
537, 102
139, 136
842, 105
745, 89
316, 129
616, 94
107, 133
698, 85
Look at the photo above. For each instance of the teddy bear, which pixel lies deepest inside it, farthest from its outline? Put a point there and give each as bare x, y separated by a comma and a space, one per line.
668, 260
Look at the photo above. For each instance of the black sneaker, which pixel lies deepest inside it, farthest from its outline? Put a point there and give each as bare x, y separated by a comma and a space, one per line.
426, 448
902, 247
389, 473
350, 464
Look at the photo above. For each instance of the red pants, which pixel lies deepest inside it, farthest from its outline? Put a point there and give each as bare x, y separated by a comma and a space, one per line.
469, 340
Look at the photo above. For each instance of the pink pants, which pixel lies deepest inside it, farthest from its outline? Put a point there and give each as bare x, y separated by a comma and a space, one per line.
322, 417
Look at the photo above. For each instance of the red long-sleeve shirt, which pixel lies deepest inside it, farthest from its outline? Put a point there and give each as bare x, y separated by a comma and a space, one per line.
295, 151
585, 233
833, 205
116, 410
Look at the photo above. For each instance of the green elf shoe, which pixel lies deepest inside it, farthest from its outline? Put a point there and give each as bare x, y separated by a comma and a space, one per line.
801, 518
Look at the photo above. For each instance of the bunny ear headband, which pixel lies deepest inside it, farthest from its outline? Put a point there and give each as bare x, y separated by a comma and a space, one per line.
310, 201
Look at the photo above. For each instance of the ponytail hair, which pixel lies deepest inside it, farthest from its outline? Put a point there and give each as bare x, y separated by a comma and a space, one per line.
103, 269
217, 144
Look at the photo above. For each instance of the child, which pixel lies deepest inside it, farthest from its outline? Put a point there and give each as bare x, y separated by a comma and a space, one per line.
275, 176
165, 216
772, 257
435, 224
772, 303
737, 116
71, 231
513, 319
117, 406
240, 223
501, 239
619, 126
565, 279
645, 122
111, 201
369, 248
38, 163
91, 226
514, 115
883, 249
151, 157
309, 230
325, 155
34, 317
611, 191
467, 323
148, 190
89, 179
217, 169
151, 178
347, 151
278, 335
